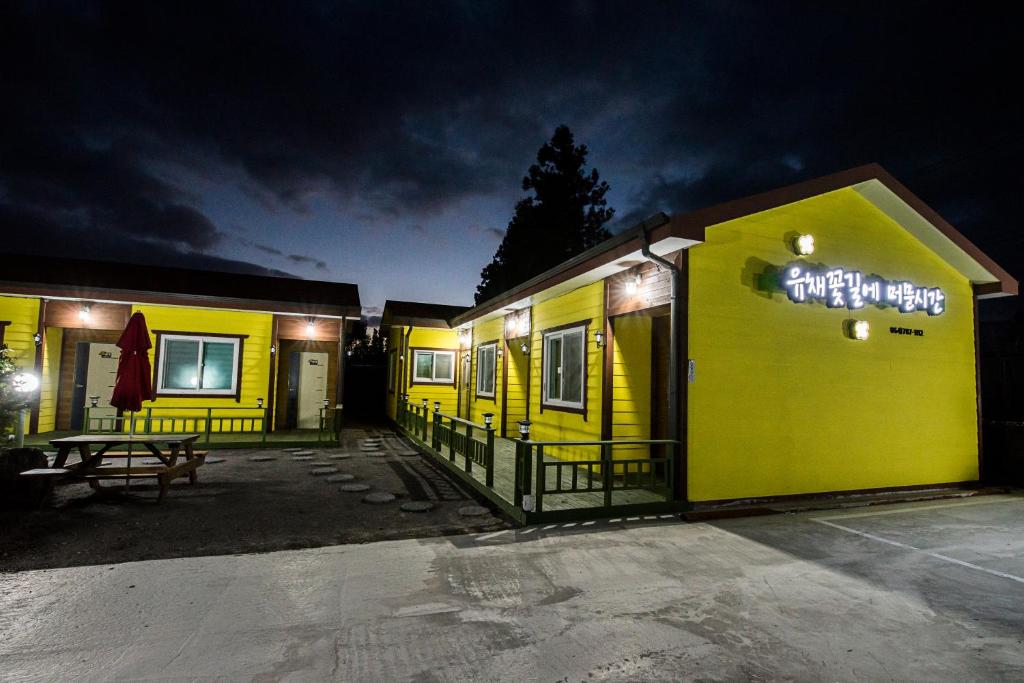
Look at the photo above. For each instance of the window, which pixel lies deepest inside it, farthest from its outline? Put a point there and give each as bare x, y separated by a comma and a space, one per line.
485, 367
197, 365
433, 367
565, 368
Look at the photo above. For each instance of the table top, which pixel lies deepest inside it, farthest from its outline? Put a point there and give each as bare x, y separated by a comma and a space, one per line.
115, 439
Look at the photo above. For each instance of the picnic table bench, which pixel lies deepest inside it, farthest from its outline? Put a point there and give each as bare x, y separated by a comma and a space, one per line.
92, 468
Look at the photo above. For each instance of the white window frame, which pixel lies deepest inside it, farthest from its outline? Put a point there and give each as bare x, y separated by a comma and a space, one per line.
547, 401
434, 379
492, 347
203, 340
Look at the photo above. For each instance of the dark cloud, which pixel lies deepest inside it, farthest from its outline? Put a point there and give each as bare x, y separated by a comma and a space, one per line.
300, 258
402, 112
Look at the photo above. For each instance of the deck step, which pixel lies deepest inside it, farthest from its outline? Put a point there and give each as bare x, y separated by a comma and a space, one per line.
46, 472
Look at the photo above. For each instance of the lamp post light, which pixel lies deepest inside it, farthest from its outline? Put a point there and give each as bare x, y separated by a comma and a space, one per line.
94, 401
488, 419
437, 406
524, 429
259, 402
24, 383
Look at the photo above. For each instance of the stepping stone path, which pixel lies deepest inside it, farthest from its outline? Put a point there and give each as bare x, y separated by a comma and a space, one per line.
378, 498
474, 511
214, 460
341, 456
407, 454
262, 458
335, 478
355, 488
303, 453
320, 471
416, 506
292, 450
302, 457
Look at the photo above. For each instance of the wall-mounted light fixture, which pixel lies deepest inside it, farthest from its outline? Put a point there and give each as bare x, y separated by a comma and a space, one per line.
84, 313
310, 327
599, 338
273, 349
465, 337
525, 348
633, 284
859, 330
803, 245
37, 339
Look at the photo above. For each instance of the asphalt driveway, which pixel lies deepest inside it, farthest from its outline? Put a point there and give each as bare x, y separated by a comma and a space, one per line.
927, 591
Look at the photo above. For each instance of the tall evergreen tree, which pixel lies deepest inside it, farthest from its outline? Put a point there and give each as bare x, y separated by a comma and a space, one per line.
563, 217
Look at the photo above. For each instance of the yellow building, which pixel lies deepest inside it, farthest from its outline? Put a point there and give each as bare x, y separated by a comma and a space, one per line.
815, 339
257, 353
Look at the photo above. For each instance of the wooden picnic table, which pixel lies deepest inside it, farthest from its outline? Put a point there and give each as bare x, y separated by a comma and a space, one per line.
92, 468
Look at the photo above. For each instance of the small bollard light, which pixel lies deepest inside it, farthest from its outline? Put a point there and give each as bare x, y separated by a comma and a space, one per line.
524, 429
424, 404
259, 402
94, 401
437, 406
327, 402
488, 419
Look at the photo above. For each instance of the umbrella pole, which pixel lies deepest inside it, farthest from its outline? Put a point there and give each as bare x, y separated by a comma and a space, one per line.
131, 433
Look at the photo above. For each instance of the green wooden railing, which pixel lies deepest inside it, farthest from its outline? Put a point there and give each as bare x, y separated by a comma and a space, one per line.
202, 420
446, 438
540, 477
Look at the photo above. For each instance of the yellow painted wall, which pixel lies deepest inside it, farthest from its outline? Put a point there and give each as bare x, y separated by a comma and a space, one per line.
583, 304
24, 316
485, 333
784, 403
631, 388
50, 379
429, 338
255, 359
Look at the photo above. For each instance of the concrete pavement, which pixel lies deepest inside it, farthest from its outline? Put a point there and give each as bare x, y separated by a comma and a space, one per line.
931, 591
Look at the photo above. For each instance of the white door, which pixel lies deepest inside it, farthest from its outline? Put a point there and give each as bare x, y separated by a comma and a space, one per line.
312, 388
99, 380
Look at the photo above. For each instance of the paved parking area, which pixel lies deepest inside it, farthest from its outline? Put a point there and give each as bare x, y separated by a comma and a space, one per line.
926, 592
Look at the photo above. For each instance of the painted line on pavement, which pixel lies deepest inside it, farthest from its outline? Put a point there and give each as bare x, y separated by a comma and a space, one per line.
964, 504
937, 556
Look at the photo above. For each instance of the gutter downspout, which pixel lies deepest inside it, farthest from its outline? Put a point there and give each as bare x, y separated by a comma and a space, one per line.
673, 339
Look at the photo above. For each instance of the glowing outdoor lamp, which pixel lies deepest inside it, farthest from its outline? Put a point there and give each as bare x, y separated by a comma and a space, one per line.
524, 429
633, 285
599, 338
259, 402
23, 383
437, 406
803, 245
94, 401
859, 330
525, 348
83, 313
488, 419
310, 327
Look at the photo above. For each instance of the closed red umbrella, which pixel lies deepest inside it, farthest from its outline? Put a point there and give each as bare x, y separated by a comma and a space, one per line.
133, 384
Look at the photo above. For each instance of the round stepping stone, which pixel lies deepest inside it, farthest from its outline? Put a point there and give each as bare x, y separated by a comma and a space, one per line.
301, 458
321, 471
335, 478
262, 458
474, 511
355, 488
303, 453
416, 506
210, 461
321, 463
153, 461
378, 498
291, 450
407, 454
377, 454
341, 456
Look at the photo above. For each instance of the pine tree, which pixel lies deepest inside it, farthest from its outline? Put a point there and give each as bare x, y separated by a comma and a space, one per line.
563, 217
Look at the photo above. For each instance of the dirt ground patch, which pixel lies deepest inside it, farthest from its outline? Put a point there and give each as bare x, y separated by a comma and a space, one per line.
243, 506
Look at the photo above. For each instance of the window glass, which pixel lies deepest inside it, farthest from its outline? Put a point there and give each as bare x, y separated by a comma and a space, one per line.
424, 365
444, 366
180, 364
485, 369
553, 356
572, 367
218, 365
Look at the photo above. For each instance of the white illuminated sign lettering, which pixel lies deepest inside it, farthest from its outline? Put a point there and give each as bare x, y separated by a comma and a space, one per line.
841, 288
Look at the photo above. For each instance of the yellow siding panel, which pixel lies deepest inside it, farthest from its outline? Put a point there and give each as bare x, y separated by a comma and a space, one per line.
50, 380
784, 403
23, 313
430, 338
484, 333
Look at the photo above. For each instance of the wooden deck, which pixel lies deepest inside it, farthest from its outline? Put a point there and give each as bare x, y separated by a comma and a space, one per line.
504, 474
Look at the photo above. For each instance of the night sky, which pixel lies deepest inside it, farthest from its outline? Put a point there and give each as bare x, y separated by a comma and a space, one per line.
384, 144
